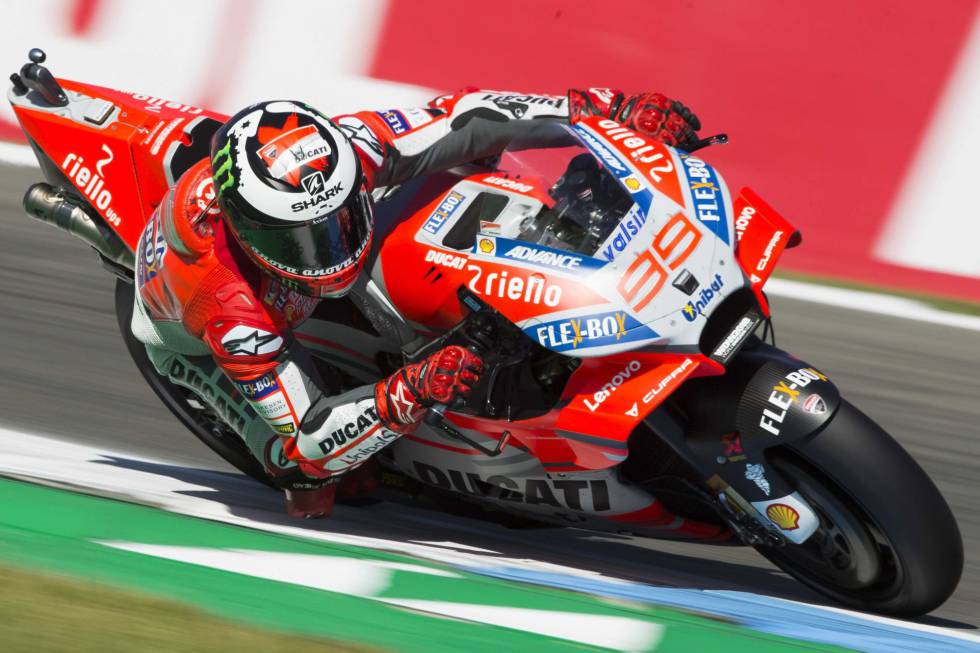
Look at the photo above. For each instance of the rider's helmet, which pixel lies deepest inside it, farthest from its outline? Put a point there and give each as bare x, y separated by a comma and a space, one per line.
293, 194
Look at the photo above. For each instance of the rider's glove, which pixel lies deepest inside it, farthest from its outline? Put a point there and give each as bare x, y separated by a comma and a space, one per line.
442, 377
652, 114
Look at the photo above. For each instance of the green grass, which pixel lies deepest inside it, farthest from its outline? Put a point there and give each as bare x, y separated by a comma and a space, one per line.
50, 614
941, 303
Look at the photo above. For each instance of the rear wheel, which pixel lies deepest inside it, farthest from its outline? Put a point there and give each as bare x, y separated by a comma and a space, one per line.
887, 540
192, 411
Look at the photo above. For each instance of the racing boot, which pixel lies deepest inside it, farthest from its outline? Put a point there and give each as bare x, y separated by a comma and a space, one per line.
314, 503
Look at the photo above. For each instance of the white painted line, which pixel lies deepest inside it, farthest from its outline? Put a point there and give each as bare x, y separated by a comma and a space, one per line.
616, 633
322, 572
870, 302
16, 154
454, 545
370, 578
145, 480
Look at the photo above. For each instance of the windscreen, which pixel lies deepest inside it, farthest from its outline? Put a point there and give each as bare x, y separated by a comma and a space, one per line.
586, 202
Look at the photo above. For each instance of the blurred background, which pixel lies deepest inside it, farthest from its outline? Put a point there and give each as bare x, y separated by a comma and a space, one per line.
857, 120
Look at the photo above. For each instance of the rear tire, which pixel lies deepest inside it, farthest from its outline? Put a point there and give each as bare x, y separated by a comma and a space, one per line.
888, 541
192, 412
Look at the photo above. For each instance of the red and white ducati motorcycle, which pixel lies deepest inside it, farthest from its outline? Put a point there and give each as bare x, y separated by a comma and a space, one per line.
614, 287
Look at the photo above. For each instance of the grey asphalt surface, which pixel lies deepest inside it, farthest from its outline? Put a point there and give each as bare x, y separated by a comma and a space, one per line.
65, 372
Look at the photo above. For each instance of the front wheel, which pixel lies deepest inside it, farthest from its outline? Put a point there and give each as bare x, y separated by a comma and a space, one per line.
887, 540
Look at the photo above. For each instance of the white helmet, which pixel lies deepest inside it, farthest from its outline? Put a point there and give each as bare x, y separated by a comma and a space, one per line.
292, 191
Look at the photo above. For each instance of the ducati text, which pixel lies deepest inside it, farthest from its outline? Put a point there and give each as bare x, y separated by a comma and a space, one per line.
557, 493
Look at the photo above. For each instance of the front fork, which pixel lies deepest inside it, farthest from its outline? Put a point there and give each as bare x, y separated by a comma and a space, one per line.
723, 426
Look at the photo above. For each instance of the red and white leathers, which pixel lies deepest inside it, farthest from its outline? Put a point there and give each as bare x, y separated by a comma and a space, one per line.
200, 296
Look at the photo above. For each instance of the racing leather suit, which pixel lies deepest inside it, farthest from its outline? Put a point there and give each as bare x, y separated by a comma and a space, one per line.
214, 323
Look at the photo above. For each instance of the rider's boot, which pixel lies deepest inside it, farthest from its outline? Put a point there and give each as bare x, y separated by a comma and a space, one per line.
311, 504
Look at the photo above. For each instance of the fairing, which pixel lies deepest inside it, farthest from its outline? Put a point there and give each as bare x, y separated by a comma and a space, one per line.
628, 290
640, 257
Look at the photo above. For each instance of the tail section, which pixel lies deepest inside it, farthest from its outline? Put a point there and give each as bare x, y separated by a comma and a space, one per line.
116, 152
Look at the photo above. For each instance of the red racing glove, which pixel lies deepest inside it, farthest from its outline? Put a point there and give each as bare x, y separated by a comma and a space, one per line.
402, 398
652, 114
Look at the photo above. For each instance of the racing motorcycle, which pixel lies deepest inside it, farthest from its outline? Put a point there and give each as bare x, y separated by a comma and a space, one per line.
614, 287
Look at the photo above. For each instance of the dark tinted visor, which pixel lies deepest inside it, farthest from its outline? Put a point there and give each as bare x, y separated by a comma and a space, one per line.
317, 248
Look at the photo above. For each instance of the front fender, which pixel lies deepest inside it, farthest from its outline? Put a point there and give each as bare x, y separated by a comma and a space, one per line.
766, 396
784, 400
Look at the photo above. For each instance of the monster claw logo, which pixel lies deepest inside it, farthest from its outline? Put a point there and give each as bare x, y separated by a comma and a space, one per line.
223, 168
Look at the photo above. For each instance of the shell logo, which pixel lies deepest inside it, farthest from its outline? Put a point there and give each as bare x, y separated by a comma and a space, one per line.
633, 184
783, 516
487, 246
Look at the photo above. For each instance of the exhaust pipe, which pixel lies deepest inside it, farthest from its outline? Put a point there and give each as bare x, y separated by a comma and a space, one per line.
48, 204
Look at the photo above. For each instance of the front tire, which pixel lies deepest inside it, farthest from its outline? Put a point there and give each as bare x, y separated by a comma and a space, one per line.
888, 541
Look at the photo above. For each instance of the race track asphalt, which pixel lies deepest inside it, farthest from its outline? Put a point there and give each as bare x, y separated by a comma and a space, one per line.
65, 372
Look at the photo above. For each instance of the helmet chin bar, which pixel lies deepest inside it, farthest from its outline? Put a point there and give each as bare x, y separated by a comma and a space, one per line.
334, 286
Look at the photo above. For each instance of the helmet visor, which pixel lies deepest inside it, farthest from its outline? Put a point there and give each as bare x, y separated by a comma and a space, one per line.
314, 249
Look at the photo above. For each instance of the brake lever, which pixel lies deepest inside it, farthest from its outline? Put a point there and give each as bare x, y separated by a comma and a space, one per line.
717, 139
436, 418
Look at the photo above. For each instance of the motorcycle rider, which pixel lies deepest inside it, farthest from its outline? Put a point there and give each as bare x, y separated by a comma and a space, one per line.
225, 273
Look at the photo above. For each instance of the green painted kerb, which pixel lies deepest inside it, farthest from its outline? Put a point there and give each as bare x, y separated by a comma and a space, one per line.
61, 531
